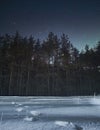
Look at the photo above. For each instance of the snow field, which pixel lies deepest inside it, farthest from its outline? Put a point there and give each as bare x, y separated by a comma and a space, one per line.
33, 108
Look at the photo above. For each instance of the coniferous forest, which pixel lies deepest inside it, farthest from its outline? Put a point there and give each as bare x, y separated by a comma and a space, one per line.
52, 67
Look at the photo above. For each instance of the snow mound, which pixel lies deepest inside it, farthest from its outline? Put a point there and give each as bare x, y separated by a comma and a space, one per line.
19, 109
19, 104
95, 101
61, 123
35, 113
28, 119
13, 103
68, 125
26, 106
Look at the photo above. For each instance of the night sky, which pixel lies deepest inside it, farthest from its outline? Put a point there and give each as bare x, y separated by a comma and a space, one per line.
80, 19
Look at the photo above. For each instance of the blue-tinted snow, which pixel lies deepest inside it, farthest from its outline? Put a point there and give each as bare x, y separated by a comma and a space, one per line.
49, 113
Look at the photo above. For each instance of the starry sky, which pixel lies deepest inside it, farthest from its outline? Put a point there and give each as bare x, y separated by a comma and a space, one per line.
79, 19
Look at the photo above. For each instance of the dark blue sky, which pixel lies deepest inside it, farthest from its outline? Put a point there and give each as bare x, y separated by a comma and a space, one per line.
80, 19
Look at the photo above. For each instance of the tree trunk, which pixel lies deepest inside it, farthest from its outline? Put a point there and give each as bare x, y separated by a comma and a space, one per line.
10, 80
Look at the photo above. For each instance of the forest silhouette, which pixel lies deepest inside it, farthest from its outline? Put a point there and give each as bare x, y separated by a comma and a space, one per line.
52, 67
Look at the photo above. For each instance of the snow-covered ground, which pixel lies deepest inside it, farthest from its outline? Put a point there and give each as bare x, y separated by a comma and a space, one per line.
49, 113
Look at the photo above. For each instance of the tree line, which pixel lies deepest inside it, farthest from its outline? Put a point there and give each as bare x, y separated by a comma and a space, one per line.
29, 66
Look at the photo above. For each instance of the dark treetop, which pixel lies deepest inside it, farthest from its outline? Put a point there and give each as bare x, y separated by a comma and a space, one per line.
80, 19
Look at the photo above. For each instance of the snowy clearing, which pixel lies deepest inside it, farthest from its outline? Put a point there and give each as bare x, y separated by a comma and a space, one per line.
49, 113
